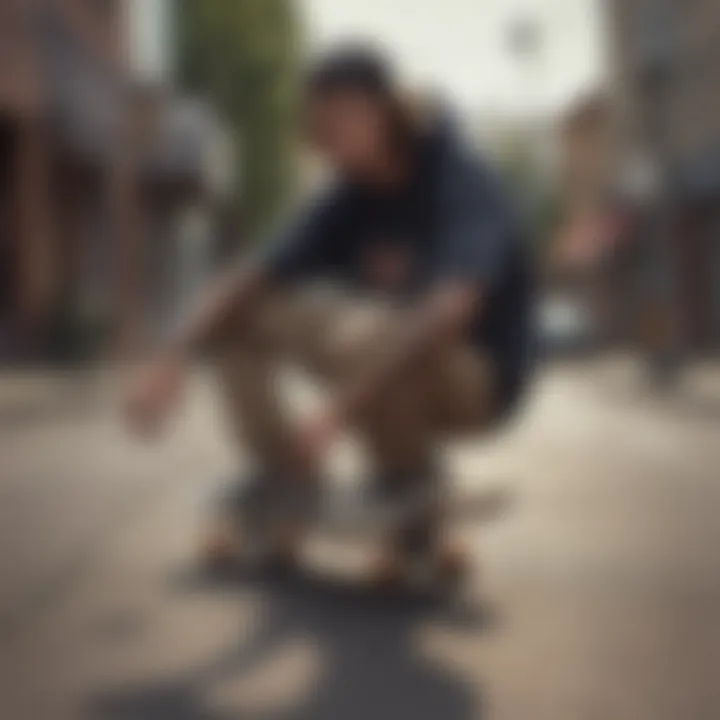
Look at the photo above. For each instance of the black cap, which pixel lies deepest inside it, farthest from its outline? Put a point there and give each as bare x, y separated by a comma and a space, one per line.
351, 67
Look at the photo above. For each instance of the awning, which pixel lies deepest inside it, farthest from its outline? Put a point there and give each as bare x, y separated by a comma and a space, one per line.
189, 136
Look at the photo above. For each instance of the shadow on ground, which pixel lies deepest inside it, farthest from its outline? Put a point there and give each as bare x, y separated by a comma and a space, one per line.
371, 667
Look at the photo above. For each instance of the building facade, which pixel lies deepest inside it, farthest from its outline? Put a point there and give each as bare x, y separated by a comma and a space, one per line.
665, 130
94, 157
584, 168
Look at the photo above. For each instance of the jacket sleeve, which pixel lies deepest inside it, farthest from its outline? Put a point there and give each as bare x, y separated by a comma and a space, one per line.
476, 225
308, 244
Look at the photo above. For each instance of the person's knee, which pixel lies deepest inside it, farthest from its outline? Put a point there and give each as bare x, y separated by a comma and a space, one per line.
356, 341
257, 327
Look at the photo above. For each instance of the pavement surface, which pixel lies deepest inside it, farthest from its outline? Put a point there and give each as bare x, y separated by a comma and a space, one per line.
597, 597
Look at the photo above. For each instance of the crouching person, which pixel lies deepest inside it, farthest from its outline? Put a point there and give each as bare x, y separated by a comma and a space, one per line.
425, 334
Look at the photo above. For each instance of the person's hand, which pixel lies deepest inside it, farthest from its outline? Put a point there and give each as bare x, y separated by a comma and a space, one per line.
314, 438
154, 392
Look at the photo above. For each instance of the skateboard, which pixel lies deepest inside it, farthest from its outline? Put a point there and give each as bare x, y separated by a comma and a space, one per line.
236, 538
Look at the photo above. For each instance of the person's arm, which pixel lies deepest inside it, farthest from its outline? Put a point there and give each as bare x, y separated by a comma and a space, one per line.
158, 385
300, 249
225, 299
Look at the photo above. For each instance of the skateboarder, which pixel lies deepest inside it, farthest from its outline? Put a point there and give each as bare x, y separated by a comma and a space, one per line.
404, 287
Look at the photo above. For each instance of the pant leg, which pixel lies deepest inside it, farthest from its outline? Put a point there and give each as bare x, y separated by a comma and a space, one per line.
337, 337
447, 393
463, 390
247, 376
282, 328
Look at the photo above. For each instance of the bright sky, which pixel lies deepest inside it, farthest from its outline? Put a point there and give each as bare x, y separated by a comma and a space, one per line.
461, 46
149, 38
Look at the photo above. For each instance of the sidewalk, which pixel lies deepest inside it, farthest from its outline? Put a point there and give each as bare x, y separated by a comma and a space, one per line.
597, 597
35, 395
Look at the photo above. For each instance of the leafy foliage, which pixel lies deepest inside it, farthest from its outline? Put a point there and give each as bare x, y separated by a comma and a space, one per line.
243, 56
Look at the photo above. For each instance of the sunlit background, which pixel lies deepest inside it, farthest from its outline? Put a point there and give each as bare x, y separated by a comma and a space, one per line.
144, 142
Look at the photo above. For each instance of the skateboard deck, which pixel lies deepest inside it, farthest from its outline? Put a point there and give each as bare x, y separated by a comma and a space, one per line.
343, 515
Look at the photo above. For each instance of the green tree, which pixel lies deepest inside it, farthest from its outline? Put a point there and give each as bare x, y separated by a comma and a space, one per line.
243, 55
535, 191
